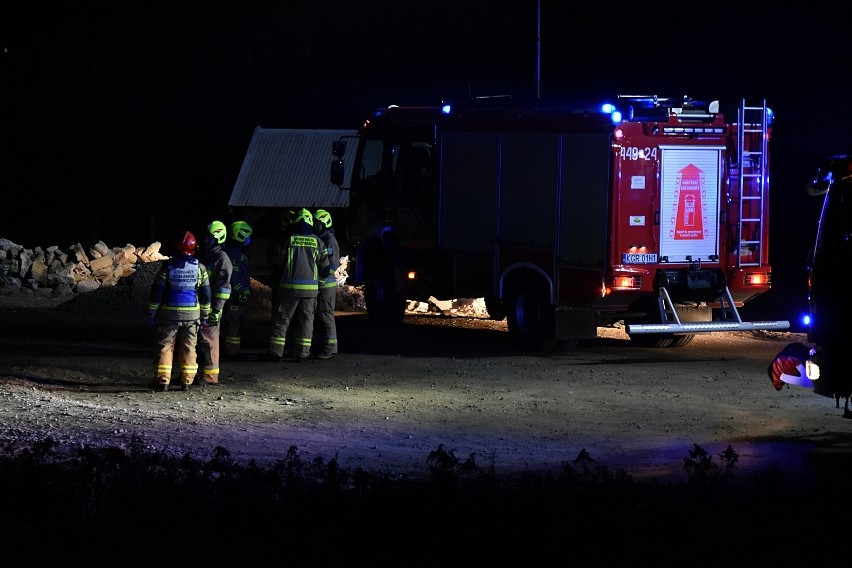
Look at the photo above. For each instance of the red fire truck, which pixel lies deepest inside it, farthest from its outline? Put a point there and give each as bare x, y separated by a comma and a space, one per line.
649, 211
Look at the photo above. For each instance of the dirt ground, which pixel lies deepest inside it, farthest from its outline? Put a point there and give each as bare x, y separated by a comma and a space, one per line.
77, 369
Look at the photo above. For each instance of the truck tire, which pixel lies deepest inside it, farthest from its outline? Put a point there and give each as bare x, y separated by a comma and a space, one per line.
531, 319
681, 340
660, 341
567, 344
655, 340
384, 306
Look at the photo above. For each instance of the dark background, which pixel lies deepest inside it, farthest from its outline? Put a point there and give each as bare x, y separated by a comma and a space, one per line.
124, 120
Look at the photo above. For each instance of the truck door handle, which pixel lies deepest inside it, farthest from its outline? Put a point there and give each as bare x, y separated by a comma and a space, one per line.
656, 217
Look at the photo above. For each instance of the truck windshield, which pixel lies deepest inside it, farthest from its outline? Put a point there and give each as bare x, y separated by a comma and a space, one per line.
371, 159
410, 161
395, 188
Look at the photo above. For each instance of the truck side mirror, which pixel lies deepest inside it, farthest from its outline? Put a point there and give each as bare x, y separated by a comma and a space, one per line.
337, 170
338, 148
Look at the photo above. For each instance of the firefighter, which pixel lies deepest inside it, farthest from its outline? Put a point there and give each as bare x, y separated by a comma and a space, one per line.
233, 320
219, 272
298, 289
280, 241
178, 304
324, 342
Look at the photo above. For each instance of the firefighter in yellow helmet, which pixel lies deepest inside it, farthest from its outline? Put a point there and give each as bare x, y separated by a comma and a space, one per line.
219, 271
297, 290
178, 304
280, 241
234, 316
324, 342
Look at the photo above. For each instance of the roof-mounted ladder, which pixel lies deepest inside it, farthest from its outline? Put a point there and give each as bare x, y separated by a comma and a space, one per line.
752, 127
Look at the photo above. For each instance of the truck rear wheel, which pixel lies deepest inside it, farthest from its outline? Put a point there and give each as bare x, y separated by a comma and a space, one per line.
681, 340
531, 319
656, 340
659, 340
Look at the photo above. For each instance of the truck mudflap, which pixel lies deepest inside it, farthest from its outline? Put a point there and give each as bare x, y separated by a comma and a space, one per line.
730, 322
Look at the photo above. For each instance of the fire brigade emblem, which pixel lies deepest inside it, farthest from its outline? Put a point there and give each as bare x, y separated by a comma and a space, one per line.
689, 215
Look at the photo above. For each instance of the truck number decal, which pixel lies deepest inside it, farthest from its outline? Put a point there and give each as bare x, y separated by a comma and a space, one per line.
634, 153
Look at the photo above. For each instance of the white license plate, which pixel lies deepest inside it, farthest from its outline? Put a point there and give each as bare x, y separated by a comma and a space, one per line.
628, 258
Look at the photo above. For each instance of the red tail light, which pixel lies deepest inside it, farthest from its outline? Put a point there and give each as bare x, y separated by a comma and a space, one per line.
755, 279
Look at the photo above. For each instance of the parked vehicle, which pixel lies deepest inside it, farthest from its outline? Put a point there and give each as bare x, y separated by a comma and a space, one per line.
828, 305
650, 211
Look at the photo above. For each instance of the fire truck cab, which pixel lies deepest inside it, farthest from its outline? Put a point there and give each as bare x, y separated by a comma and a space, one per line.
648, 211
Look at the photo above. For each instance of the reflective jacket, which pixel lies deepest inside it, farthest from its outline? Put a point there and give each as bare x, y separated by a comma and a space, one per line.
181, 291
299, 256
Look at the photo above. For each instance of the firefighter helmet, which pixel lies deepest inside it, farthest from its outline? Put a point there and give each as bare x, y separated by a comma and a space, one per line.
241, 232
287, 218
323, 217
218, 230
304, 215
185, 243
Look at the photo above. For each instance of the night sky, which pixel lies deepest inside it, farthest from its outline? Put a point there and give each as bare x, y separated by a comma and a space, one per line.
122, 120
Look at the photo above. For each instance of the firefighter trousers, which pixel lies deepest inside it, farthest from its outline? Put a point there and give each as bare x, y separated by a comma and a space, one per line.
298, 313
176, 340
324, 341
233, 321
208, 353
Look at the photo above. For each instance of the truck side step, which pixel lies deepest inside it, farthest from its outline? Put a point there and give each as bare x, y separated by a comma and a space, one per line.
731, 321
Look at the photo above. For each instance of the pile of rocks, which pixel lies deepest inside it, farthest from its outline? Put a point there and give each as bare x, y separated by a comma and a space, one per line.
52, 272
78, 270
73, 271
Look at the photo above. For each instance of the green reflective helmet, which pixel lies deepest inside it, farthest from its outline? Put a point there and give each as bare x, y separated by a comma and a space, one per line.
304, 215
218, 230
241, 232
323, 217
